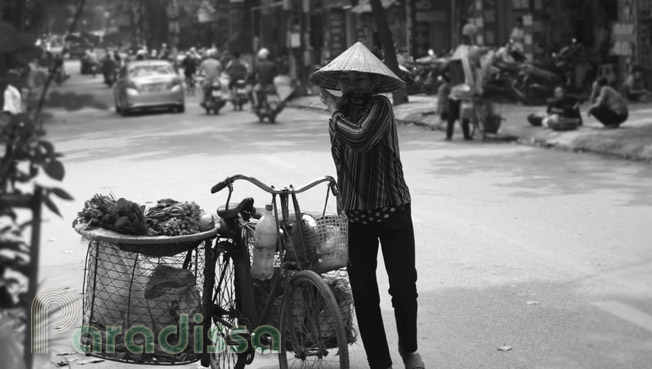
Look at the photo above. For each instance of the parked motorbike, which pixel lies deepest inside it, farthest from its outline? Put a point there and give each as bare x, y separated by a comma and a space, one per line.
215, 99
269, 105
576, 69
240, 94
426, 72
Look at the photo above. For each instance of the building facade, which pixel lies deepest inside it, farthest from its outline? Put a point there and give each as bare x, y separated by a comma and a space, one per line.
312, 32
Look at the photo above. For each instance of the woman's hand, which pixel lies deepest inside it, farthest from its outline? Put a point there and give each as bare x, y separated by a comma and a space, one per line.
334, 103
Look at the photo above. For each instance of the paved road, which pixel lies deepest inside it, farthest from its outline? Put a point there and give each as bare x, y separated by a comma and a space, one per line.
542, 251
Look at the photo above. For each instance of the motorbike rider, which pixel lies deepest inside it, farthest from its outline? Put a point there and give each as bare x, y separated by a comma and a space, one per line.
91, 58
237, 69
189, 65
264, 73
211, 69
109, 66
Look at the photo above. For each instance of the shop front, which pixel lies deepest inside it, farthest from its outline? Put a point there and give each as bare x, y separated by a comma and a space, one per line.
632, 37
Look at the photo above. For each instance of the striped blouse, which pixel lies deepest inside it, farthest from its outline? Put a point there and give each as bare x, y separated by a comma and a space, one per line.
365, 150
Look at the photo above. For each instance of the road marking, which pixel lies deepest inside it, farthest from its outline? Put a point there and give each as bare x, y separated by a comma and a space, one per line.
281, 163
627, 313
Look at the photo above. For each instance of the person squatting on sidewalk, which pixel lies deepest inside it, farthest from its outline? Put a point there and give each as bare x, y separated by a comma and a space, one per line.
374, 196
608, 106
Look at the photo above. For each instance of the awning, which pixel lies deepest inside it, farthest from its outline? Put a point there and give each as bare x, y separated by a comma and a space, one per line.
364, 6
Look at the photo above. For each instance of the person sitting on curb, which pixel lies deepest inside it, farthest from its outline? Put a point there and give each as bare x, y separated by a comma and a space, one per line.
634, 86
564, 106
608, 106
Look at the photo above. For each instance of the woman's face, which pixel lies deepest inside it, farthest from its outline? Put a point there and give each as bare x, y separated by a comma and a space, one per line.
355, 82
559, 92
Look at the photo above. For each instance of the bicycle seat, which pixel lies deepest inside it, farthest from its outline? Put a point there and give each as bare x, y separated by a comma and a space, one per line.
246, 206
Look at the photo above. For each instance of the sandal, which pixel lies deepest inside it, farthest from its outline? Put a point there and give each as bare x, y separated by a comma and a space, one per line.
412, 360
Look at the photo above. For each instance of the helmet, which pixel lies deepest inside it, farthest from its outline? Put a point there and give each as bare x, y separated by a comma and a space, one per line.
263, 53
469, 30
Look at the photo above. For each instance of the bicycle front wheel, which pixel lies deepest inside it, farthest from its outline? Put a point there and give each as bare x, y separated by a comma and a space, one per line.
312, 328
224, 315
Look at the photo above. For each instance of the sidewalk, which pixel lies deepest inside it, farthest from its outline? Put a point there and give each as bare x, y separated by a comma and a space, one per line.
633, 140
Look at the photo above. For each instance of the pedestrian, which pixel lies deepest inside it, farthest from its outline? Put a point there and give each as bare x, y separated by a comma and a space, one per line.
374, 196
12, 98
608, 106
462, 74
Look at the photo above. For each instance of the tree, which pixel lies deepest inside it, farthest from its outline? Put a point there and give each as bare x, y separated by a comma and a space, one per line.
389, 53
26, 155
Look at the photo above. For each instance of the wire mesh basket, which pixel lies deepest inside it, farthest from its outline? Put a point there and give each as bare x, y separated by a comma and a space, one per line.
152, 299
321, 241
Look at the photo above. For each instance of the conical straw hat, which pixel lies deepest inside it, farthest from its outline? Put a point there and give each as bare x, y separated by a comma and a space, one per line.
357, 58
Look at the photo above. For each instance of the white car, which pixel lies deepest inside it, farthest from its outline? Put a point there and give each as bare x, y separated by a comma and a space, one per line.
146, 84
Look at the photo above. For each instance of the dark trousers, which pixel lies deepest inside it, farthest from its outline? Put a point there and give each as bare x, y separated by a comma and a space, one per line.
608, 117
453, 115
396, 236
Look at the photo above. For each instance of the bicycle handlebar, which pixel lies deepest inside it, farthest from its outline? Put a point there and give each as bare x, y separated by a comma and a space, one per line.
229, 181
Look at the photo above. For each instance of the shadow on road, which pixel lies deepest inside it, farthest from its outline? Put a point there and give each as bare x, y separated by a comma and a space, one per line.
72, 101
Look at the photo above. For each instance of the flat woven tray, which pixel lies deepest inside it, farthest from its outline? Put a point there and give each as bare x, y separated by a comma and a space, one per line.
147, 245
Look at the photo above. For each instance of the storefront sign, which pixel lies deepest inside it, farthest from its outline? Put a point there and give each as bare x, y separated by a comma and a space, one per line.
623, 37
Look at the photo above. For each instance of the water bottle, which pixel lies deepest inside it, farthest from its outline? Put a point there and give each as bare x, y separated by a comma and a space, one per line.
264, 245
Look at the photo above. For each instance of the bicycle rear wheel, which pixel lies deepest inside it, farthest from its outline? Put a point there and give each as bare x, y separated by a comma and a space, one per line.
312, 329
224, 315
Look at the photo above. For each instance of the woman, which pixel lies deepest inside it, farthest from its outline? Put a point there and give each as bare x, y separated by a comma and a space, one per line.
462, 73
374, 196
609, 107
564, 106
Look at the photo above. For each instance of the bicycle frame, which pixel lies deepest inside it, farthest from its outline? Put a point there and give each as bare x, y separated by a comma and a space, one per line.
234, 234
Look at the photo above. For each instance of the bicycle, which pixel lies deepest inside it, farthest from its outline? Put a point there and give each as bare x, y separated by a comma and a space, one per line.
311, 327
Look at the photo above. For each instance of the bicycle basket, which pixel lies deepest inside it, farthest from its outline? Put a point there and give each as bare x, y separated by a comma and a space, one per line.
319, 241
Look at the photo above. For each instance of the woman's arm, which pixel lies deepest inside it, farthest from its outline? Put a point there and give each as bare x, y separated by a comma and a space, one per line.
369, 130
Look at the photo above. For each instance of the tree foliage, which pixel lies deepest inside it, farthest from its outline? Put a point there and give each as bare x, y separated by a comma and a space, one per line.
28, 157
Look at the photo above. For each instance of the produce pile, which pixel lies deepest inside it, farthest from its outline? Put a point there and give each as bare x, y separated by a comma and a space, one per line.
173, 218
168, 218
